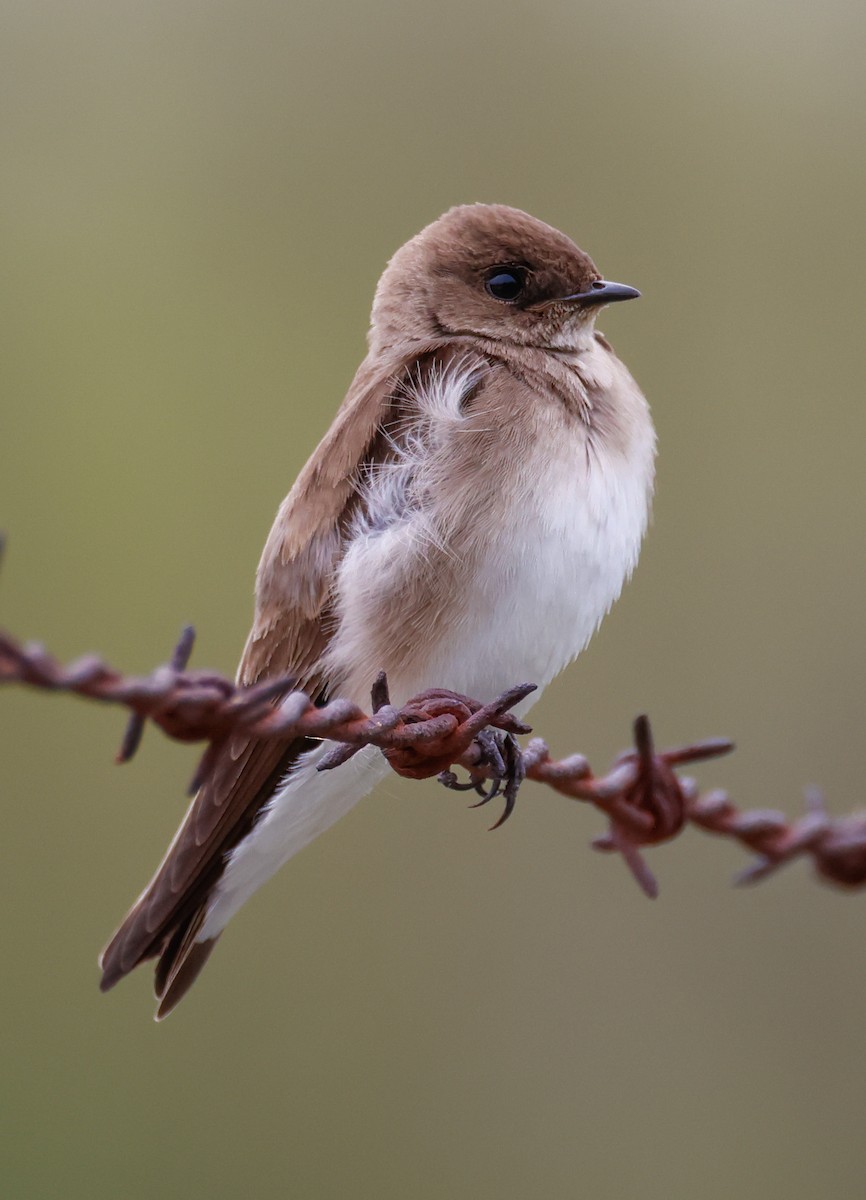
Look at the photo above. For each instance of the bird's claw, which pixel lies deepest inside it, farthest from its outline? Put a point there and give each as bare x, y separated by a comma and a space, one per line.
502, 758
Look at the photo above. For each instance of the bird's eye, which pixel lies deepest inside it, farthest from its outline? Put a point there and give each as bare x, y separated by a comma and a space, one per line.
505, 283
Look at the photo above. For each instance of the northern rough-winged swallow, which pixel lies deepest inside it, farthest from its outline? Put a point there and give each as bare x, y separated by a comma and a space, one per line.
466, 522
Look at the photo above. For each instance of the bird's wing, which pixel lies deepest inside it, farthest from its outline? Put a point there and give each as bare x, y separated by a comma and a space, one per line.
289, 637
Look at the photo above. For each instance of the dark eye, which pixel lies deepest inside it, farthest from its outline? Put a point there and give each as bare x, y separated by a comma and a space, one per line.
505, 283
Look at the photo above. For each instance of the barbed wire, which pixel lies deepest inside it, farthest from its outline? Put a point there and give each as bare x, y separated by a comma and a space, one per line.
643, 797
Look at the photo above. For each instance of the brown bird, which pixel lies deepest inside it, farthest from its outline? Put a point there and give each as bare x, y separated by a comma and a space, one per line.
466, 522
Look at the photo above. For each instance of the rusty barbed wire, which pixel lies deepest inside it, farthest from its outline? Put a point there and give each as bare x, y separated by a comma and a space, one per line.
194, 706
644, 799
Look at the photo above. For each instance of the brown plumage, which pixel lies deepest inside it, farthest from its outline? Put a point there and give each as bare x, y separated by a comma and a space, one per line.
522, 376
289, 637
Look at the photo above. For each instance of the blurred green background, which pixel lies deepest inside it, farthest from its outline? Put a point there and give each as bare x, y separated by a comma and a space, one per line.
197, 200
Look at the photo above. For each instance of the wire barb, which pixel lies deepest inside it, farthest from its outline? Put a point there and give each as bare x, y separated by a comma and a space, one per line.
134, 732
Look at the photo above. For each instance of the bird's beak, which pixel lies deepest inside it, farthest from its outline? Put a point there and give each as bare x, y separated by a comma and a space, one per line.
602, 292
599, 292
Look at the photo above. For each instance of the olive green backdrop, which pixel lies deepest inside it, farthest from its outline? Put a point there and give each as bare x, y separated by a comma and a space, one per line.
197, 200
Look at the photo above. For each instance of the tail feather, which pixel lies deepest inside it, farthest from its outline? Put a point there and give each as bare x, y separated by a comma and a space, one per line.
118, 959
180, 956
178, 968
168, 916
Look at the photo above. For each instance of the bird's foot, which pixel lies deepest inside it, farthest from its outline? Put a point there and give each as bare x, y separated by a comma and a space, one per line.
497, 769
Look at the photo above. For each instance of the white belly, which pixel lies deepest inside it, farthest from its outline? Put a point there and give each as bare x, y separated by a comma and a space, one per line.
550, 575
546, 584
566, 541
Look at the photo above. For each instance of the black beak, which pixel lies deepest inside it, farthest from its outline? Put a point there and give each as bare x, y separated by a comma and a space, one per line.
602, 292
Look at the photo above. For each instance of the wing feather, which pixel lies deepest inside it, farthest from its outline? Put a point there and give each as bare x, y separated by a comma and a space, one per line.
289, 637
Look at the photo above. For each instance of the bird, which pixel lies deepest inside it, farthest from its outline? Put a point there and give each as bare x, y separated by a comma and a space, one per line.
466, 522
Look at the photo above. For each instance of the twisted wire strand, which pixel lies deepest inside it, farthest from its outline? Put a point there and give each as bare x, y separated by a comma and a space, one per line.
644, 798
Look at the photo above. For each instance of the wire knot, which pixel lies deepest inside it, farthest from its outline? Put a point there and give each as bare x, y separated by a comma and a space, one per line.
449, 724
